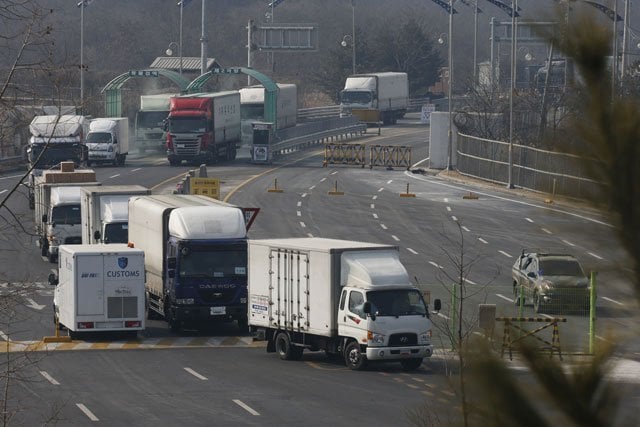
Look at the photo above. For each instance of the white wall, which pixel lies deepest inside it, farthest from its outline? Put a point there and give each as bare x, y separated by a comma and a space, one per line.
439, 141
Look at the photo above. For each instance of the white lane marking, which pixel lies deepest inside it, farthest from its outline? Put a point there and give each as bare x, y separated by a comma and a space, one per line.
566, 242
380, 189
504, 298
390, 181
302, 224
505, 254
87, 412
443, 316
3, 191
465, 228
469, 281
493, 196
412, 251
115, 176
323, 179
135, 170
309, 234
394, 237
375, 216
546, 231
299, 213
436, 265
483, 241
384, 227
49, 378
372, 206
299, 204
594, 255
529, 219
334, 172
246, 407
374, 197
312, 187
33, 304
4, 336
448, 208
12, 176
612, 300
453, 217
195, 374
446, 200
304, 195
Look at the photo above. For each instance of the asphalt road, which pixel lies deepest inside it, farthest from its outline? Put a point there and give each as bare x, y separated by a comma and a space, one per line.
220, 376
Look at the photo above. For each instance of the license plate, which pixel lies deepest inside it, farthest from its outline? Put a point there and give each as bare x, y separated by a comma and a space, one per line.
216, 311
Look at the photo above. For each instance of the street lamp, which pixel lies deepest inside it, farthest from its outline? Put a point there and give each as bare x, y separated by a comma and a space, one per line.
169, 52
82, 4
347, 41
450, 142
514, 8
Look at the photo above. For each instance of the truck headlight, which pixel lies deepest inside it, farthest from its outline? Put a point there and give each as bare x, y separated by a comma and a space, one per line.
52, 239
185, 301
375, 338
425, 337
111, 149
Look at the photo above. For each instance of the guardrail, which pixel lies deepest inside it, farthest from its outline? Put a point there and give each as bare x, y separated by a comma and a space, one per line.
8, 163
319, 132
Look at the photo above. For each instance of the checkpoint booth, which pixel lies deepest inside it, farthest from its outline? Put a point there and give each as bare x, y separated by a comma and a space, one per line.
261, 142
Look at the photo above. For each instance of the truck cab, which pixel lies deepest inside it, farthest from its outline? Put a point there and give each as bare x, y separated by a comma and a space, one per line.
63, 219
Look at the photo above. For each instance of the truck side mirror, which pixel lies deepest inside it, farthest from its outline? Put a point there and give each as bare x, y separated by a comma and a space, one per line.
53, 280
96, 235
367, 310
437, 304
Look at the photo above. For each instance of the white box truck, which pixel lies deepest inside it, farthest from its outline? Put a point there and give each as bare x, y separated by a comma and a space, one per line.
252, 107
350, 299
196, 258
386, 95
57, 207
149, 125
105, 212
55, 139
99, 288
108, 141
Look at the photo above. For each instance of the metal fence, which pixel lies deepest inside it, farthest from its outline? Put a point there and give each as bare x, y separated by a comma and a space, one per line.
533, 168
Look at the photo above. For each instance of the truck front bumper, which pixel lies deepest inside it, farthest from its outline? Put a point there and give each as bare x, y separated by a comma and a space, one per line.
200, 313
396, 353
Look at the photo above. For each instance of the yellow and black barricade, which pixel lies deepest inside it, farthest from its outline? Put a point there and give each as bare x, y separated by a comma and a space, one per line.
346, 154
390, 156
514, 324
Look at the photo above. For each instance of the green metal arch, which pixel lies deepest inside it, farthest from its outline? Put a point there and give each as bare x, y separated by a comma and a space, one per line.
271, 89
112, 90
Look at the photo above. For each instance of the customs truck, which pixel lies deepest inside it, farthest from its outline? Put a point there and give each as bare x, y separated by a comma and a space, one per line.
57, 207
105, 212
149, 122
99, 288
56, 138
196, 258
252, 107
351, 299
375, 97
108, 141
203, 128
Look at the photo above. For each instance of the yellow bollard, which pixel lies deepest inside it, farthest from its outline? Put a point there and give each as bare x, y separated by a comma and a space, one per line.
407, 194
275, 188
335, 191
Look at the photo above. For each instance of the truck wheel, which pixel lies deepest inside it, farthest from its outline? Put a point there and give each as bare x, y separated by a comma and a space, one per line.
44, 247
353, 357
285, 349
174, 162
411, 364
121, 159
52, 258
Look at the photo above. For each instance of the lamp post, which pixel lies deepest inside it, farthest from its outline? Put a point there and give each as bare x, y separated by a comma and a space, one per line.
82, 4
347, 41
353, 36
514, 8
169, 52
450, 89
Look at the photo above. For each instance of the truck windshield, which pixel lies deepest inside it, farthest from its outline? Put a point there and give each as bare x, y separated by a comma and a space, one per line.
252, 112
355, 97
99, 137
195, 262
150, 119
116, 232
187, 125
403, 302
66, 214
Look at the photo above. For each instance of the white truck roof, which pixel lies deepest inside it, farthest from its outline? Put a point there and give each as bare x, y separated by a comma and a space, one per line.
99, 248
319, 244
373, 269
159, 102
105, 124
65, 195
57, 126
255, 94
114, 208
207, 222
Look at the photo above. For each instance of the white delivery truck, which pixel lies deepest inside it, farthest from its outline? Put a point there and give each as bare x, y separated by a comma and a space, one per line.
105, 212
350, 299
375, 96
108, 141
252, 107
57, 207
149, 125
55, 139
99, 288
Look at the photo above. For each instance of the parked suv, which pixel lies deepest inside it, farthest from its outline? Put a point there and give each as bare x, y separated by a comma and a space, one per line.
550, 281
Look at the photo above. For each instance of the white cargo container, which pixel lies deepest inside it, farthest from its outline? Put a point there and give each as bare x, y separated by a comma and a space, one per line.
105, 212
108, 141
386, 94
352, 299
252, 105
99, 288
196, 258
